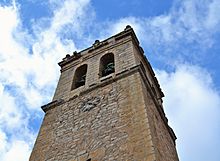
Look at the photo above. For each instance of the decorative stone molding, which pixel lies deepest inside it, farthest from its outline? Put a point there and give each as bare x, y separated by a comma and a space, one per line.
69, 58
97, 44
90, 103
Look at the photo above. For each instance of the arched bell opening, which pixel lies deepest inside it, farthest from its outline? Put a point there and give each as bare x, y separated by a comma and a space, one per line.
107, 65
79, 77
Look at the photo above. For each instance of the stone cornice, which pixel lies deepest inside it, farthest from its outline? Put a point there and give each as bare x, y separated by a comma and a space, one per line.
88, 56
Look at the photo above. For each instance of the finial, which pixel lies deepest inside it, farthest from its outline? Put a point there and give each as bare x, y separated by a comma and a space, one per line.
75, 53
67, 57
96, 43
128, 27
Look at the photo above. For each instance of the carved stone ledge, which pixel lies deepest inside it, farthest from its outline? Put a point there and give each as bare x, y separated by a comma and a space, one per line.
52, 104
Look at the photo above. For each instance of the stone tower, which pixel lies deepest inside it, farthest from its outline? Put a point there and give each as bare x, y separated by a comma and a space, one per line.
107, 106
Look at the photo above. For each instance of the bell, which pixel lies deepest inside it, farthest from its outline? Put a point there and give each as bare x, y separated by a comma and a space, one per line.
110, 68
81, 81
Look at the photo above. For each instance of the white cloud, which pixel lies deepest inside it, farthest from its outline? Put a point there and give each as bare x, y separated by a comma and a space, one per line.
32, 72
29, 70
10, 115
192, 105
9, 17
185, 32
3, 142
213, 18
120, 25
16, 148
19, 150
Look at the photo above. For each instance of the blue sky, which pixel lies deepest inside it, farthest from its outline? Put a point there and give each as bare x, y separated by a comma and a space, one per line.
180, 38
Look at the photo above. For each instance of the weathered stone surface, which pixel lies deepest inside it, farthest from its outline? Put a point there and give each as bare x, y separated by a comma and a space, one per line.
89, 104
117, 117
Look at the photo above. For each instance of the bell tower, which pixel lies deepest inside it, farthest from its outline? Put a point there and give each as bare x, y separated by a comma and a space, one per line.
107, 106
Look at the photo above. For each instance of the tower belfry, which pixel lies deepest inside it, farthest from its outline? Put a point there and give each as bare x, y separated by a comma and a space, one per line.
107, 106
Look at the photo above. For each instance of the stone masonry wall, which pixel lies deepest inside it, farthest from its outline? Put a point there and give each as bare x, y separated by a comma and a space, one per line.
109, 123
164, 145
